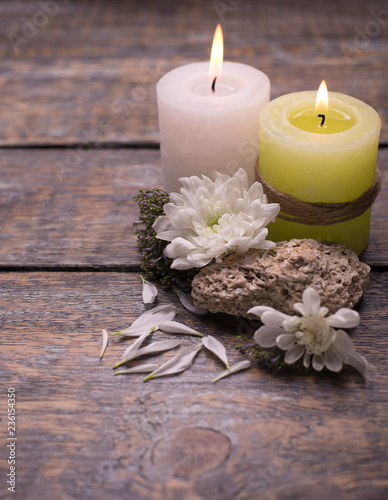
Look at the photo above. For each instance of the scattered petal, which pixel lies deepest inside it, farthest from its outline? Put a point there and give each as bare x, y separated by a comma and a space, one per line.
187, 301
217, 348
243, 365
135, 345
149, 291
175, 327
105, 340
179, 363
149, 320
136, 331
147, 368
155, 347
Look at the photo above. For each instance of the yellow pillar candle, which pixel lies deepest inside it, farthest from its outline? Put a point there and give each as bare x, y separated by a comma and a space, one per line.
320, 154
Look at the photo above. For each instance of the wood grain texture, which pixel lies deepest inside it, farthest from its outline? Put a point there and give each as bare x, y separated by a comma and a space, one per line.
84, 433
61, 208
88, 71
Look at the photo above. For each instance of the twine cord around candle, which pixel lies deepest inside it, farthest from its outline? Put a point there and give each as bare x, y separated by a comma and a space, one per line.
322, 214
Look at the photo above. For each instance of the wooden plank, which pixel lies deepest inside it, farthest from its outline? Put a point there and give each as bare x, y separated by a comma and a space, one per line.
74, 207
89, 72
83, 433
61, 208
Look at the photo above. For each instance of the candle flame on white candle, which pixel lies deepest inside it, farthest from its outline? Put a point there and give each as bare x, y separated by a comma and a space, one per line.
217, 54
322, 102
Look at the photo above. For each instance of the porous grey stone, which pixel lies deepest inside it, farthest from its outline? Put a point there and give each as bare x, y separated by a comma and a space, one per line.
277, 278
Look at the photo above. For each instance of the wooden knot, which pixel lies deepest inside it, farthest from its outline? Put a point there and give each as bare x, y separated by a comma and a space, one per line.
189, 452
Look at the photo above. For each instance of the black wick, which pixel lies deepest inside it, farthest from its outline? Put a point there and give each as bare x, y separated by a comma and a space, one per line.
214, 84
323, 120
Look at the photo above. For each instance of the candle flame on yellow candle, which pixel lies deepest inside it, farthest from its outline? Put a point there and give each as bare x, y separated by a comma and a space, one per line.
217, 53
322, 102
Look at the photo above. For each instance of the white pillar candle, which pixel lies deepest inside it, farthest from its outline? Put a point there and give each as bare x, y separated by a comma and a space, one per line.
202, 130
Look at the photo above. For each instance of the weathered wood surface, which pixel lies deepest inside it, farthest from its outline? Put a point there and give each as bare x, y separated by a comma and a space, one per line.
84, 433
60, 209
86, 71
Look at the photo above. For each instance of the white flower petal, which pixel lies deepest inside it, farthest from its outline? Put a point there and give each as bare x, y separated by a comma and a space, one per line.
149, 291
348, 352
318, 362
153, 348
216, 348
306, 360
243, 365
266, 336
148, 321
161, 224
286, 341
344, 343
182, 361
165, 312
344, 318
300, 308
259, 310
146, 368
175, 327
311, 301
294, 354
105, 340
156, 347
274, 318
187, 302
332, 360
358, 362
136, 344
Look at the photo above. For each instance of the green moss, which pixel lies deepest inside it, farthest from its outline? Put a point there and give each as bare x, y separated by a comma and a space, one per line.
154, 264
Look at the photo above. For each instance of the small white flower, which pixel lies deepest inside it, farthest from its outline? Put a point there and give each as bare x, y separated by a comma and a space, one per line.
149, 291
210, 219
311, 335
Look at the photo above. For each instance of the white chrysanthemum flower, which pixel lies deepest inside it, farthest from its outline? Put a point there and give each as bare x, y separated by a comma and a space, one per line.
210, 219
311, 335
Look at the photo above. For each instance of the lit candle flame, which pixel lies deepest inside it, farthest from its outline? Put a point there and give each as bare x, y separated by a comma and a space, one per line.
217, 54
322, 102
